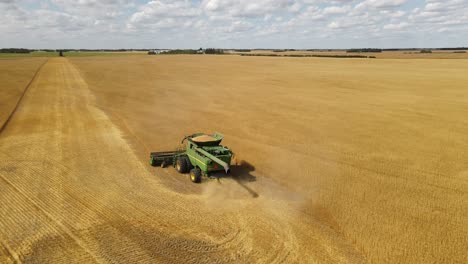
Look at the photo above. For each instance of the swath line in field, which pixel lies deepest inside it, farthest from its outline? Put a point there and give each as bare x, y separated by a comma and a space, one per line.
4, 125
10, 252
40, 209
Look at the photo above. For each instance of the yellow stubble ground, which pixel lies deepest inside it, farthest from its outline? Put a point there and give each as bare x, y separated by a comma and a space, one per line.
377, 149
15, 74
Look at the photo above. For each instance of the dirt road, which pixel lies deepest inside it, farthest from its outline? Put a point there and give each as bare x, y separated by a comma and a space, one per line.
73, 191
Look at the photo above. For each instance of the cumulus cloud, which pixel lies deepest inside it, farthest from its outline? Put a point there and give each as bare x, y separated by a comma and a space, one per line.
398, 26
436, 14
232, 23
336, 10
163, 14
382, 3
100, 9
248, 8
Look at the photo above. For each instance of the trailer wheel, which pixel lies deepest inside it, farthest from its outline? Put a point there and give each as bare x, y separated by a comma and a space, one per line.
195, 175
182, 164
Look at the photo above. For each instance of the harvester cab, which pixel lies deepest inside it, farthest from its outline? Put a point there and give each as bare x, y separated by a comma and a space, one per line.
203, 154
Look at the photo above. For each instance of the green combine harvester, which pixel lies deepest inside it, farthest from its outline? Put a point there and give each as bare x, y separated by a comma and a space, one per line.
202, 155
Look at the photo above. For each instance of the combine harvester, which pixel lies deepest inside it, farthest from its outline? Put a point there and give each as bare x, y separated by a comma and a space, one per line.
202, 155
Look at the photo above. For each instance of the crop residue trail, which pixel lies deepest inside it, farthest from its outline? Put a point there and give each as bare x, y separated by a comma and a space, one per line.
73, 191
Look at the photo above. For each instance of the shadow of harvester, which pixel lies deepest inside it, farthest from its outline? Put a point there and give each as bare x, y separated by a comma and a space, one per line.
241, 173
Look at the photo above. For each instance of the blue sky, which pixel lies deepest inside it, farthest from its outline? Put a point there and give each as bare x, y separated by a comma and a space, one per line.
233, 23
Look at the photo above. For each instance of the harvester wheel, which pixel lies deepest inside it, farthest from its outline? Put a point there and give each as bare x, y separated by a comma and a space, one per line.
195, 175
189, 164
182, 164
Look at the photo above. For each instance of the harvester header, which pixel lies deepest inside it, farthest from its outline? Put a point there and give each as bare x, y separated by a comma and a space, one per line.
203, 154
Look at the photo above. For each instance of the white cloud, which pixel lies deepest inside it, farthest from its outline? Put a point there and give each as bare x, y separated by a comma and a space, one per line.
163, 14
336, 10
99, 9
239, 26
248, 8
334, 25
379, 4
398, 26
231, 23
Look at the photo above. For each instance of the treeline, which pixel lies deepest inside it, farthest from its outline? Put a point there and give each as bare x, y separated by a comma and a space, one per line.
283, 50
458, 48
180, 51
363, 50
214, 51
321, 50
97, 50
312, 55
20, 50
13, 50
191, 51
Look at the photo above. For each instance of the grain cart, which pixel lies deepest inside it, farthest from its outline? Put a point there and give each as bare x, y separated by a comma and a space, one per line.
202, 155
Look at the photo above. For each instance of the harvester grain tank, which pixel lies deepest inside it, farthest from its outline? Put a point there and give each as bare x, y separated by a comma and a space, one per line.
203, 154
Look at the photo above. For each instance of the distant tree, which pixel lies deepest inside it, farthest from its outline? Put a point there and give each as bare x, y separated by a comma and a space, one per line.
14, 50
214, 51
364, 50
179, 51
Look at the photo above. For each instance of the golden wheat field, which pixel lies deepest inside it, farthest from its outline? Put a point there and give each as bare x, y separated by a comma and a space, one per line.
337, 160
15, 74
